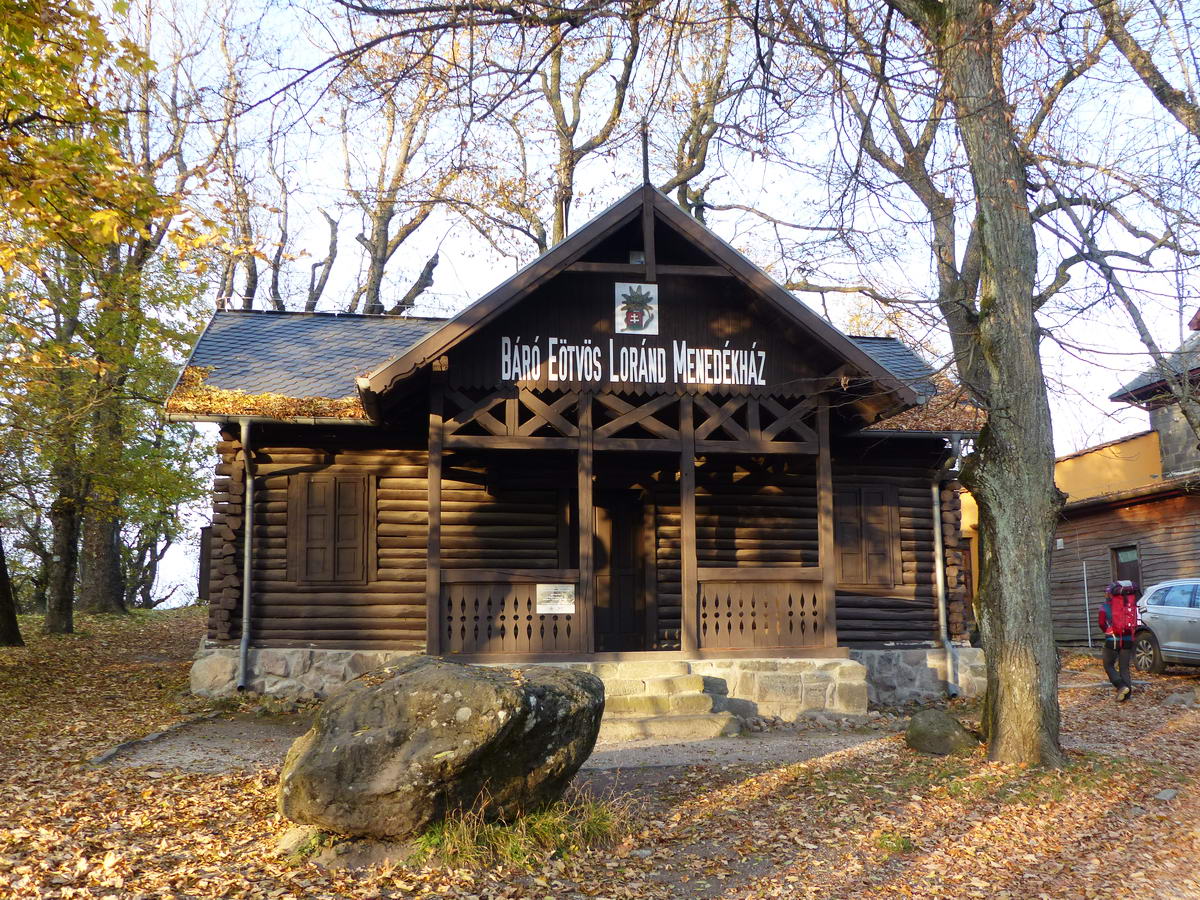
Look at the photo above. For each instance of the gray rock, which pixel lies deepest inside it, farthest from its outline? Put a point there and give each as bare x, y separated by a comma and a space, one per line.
936, 731
1180, 700
393, 751
1168, 794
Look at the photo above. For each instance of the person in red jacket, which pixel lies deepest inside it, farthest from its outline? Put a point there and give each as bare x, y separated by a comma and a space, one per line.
1118, 621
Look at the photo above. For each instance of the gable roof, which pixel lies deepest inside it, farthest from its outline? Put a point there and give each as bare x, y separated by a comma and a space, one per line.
1150, 385
646, 201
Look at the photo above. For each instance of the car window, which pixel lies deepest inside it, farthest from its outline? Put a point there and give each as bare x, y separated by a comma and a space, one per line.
1177, 596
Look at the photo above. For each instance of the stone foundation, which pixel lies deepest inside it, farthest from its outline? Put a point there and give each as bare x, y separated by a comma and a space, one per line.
788, 688
296, 674
896, 677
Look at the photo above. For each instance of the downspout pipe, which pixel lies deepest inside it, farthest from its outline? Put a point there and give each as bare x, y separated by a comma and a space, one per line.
939, 581
243, 681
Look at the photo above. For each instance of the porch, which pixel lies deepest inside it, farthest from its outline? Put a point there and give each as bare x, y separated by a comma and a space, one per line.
687, 527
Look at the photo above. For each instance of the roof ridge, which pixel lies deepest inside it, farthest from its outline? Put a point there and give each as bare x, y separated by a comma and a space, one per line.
329, 314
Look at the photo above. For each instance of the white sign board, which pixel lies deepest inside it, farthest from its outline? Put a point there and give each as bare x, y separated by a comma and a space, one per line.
555, 599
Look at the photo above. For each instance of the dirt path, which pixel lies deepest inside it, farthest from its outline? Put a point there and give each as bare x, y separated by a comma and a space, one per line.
247, 742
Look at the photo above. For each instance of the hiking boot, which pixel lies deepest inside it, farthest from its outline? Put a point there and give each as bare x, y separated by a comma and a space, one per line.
1123, 694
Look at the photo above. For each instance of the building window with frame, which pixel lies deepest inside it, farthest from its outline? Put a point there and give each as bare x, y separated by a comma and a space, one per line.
1127, 564
327, 529
866, 535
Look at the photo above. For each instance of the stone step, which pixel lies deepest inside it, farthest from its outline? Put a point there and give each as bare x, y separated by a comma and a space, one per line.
639, 669
658, 686
680, 728
658, 705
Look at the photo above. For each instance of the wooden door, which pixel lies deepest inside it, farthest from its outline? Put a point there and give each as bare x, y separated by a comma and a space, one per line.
620, 621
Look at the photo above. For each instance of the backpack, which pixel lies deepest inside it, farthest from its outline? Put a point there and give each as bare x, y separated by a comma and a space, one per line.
1123, 603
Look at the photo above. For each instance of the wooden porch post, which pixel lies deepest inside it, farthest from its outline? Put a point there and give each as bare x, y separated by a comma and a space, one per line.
433, 557
586, 607
826, 549
690, 638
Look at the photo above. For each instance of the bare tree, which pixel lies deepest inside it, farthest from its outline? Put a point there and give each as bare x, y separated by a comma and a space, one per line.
395, 179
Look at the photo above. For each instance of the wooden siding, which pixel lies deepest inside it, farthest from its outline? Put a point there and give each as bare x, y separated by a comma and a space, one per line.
1166, 533
906, 610
387, 610
515, 511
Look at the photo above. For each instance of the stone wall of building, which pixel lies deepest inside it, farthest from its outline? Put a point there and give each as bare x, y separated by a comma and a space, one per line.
788, 688
899, 676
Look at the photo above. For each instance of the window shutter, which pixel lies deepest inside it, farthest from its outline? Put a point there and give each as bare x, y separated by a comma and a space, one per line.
865, 529
328, 528
847, 536
317, 561
877, 536
349, 542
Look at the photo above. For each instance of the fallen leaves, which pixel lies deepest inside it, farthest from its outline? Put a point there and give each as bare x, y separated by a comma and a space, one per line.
874, 820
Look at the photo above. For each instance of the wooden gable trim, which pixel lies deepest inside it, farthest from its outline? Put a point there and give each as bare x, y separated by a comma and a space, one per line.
648, 202
482, 311
762, 283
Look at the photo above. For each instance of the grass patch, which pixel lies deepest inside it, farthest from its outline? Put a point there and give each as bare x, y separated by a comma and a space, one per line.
894, 843
561, 829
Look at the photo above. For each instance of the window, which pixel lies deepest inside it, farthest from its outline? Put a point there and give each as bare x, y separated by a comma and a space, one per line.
1126, 564
866, 530
327, 529
1177, 596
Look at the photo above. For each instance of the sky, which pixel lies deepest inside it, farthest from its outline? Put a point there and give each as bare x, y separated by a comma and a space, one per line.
1087, 353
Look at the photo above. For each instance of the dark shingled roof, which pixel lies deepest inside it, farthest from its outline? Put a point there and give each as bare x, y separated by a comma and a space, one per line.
1185, 358
900, 361
300, 354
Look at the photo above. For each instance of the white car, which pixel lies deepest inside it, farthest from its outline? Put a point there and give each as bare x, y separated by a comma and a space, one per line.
1169, 626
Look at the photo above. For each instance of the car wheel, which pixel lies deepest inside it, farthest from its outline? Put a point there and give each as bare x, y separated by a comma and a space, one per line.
1147, 657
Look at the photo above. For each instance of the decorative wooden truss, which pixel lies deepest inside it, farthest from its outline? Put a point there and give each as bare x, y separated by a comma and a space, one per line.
515, 418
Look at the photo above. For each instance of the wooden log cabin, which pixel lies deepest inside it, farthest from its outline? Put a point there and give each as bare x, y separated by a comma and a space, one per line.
639, 446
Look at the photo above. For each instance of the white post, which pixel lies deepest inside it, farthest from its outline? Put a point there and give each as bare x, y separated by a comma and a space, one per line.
1087, 612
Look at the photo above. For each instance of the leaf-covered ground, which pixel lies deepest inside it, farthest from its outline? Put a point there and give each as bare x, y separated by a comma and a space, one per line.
873, 821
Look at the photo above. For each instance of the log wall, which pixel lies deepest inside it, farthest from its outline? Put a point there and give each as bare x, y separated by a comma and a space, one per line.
1167, 535
387, 612
515, 511
906, 612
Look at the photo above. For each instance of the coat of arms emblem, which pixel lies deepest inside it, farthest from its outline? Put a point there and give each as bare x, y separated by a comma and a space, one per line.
637, 309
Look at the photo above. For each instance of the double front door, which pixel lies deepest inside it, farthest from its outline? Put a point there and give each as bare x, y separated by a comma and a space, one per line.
623, 547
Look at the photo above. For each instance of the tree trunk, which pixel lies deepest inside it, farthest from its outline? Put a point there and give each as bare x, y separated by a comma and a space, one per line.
101, 585
64, 558
1011, 474
10, 630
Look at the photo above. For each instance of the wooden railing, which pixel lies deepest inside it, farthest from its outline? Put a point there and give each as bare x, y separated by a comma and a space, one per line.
764, 608
495, 611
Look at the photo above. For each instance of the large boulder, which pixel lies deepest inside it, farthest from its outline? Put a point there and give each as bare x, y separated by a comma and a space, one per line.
936, 731
399, 748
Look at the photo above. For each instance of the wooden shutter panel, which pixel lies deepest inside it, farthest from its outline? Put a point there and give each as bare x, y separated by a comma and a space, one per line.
877, 535
847, 536
316, 564
349, 540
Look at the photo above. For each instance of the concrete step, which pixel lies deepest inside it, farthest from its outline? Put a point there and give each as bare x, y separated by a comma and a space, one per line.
690, 703
677, 727
658, 686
